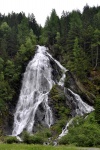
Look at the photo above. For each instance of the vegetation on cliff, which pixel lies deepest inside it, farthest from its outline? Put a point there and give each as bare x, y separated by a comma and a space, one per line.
73, 39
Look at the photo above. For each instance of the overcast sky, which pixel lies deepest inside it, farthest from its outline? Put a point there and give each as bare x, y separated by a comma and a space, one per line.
42, 8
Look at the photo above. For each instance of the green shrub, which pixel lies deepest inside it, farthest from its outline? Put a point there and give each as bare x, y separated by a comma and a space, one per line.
48, 134
97, 109
58, 102
57, 127
83, 133
32, 139
63, 141
11, 139
36, 139
26, 137
54, 91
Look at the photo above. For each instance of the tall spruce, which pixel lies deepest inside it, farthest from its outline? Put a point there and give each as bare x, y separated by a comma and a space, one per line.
79, 63
97, 109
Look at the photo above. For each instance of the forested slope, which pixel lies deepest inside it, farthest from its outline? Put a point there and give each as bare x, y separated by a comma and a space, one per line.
18, 38
73, 39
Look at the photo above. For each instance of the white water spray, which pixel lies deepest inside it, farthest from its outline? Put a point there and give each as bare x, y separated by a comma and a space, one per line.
82, 108
36, 85
65, 130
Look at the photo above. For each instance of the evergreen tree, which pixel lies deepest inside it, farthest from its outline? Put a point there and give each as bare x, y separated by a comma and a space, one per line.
34, 26
79, 63
75, 29
96, 20
64, 21
96, 48
23, 30
87, 37
52, 26
86, 16
97, 109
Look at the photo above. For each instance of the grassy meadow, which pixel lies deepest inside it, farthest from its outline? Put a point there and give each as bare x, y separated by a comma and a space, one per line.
33, 147
41, 147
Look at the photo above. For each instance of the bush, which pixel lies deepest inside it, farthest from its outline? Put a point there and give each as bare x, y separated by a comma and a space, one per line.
36, 139
97, 109
58, 103
45, 133
11, 139
26, 137
63, 141
32, 139
83, 134
57, 127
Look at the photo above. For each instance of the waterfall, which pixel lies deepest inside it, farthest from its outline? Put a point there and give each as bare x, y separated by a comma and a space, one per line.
42, 72
36, 85
65, 130
80, 109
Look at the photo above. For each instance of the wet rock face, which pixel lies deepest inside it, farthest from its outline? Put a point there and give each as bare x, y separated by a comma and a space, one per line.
67, 98
57, 102
72, 103
76, 87
40, 118
60, 99
56, 71
71, 83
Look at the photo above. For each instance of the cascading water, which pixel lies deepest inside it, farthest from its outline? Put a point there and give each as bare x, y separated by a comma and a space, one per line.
80, 109
65, 130
36, 85
37, 82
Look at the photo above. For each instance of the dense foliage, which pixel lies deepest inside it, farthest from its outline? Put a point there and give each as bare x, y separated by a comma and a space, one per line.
18, 38
73, 39
83, 132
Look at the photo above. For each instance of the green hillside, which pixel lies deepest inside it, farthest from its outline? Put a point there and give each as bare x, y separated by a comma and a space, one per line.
74, 40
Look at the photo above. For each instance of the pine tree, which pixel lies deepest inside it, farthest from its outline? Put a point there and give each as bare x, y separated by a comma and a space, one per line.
79, 61
52, 26
97, 109
95, 48
75, 29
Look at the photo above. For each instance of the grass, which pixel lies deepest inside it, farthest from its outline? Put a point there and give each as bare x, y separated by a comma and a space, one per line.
40, 147
33, 147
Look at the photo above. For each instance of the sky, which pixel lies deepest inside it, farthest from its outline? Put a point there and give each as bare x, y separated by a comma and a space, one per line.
42, 8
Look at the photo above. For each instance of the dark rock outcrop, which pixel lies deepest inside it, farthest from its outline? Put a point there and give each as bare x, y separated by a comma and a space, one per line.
75, 85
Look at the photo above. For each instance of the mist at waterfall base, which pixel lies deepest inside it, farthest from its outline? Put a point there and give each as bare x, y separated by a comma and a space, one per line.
37, 82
